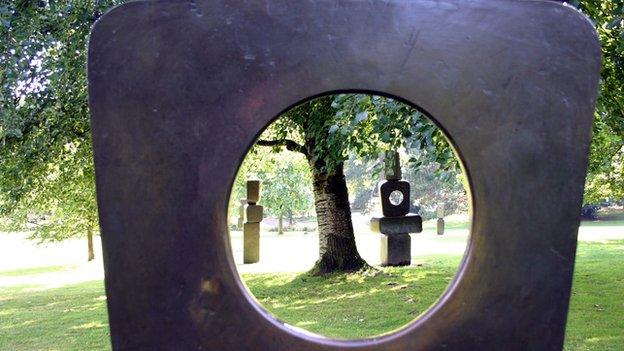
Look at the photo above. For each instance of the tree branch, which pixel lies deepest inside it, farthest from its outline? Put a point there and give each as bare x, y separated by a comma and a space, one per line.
289, 144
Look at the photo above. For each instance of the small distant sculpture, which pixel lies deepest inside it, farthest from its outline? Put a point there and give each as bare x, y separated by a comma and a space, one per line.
440, 215
396, 224
251, 228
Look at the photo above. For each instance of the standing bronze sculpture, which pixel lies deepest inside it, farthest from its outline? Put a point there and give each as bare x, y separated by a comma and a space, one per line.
179, 90
396, 224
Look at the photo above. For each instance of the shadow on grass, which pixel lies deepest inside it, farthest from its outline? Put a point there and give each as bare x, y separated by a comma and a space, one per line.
357, 305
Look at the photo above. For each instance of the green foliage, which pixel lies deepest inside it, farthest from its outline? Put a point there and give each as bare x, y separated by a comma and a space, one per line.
360, 182
429, 182
45, 147
46, 168
430, 187
286, 182
351, 132
389, 124
371, 124
287, 189
606, 167
374, 124
333, 128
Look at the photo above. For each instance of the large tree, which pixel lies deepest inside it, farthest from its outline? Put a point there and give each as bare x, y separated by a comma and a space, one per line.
46, 167
326, 131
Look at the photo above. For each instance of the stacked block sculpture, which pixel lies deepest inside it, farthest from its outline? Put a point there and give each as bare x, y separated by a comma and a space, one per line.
395, 224
251, 227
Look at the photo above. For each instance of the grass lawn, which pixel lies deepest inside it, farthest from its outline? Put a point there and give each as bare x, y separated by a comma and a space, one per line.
450, 222
596, 316
69, 318
73, 317
355, 305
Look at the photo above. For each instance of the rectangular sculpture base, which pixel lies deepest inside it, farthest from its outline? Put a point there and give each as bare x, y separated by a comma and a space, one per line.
396, 250
251, 242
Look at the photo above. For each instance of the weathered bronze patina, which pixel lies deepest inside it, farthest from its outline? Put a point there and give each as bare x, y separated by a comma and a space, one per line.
179, 90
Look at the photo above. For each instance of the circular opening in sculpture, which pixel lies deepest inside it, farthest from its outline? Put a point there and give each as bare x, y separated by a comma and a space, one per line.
349, 216
396, 198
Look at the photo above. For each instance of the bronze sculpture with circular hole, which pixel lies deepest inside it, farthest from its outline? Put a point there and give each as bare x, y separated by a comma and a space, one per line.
396, 225
179, 90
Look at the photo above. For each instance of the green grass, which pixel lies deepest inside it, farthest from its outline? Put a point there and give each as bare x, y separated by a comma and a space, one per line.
69, 318
596, 316
354, 305
33, 271
343, 306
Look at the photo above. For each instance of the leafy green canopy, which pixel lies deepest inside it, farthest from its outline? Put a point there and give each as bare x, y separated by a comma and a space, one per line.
45, 148
46, 163
606, 167
286, 182
330, 129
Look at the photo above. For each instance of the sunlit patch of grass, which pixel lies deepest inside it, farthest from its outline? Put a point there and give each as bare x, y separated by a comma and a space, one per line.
69, 318
354, 305
596, 316
358, 306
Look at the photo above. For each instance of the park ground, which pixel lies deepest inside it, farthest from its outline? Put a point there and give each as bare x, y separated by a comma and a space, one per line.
50, 299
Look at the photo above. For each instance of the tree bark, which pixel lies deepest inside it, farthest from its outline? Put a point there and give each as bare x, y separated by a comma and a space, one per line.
91, 252
280, 225
337, 249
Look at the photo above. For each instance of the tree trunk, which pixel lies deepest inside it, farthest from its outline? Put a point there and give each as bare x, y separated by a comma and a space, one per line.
91, 253
337, 249
290, 218
280, 225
